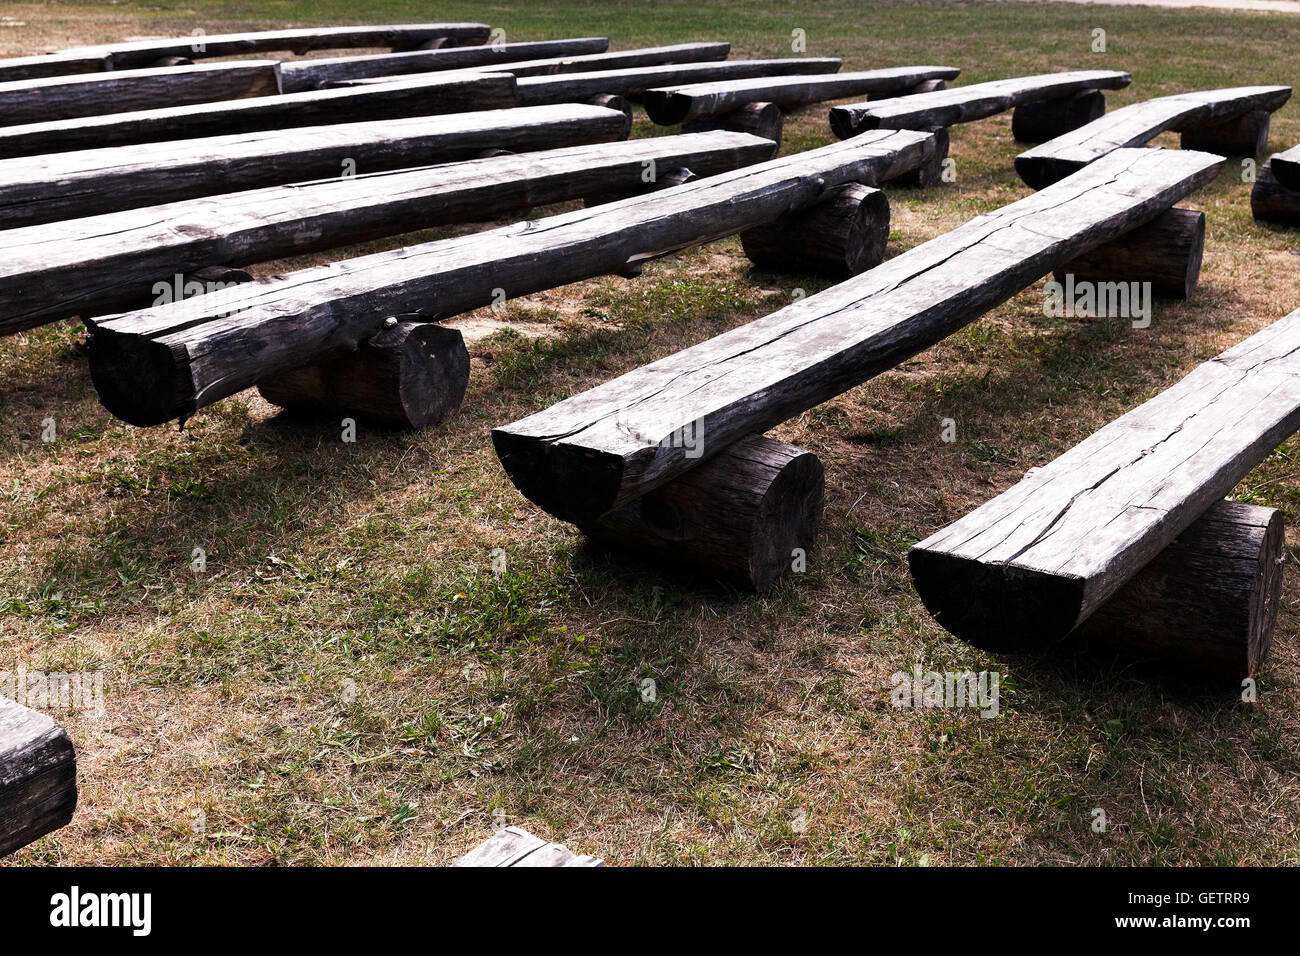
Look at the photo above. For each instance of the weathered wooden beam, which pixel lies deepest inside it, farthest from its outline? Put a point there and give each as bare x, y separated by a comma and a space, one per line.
418, 95
1026, 568
746, 516
409, 375
1270, 201
1138, 124
179, 359
1047, 119
964, 104
607, 446
638, 58
1286, 167
843, 235
313, 74
90, 182
72, 97
1166, 252
669, 106
38, 776
515, 847
89, 266
1207, 604
570, 87
758, 119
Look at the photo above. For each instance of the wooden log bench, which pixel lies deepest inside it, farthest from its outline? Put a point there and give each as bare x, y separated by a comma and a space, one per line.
419, 95
1139, 123
964, 104
515, 847
757, 119
1275, 197
90, 182
72, 97
669, 106
137, 54
602, 449
320, 72
1030, 566
158, 364
38, 776
99, 263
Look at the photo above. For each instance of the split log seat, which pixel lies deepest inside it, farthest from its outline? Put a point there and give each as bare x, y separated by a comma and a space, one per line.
38, 776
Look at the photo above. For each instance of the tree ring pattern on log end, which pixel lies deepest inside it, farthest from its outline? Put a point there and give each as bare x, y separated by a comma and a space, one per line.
789, 518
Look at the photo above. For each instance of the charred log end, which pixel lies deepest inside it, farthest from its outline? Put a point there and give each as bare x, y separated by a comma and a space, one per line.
1286, 174
42, 796
789, 517
138, 380
1040, 172
1267, 595
1271, 201
846, 122
666, 107
995, 607
434, 374
574, 486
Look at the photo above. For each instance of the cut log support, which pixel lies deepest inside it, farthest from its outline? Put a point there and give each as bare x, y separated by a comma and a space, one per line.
843, 235
1166, 252
612, 101
667, 178
89, 266
314, 74
964, 104
1138, 124
1246, 135
515, 847
758, 119
1048, 119
420, 95
926, 86
929, 173
1028, 567
744, 517
1207, 604
603, 448
94, 181
577, 87
180, 359
669, 106
1270, 201
38, 776
73, 97
410, 375
1286, 167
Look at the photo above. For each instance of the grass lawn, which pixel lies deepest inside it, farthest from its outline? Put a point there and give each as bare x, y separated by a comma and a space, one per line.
349, 681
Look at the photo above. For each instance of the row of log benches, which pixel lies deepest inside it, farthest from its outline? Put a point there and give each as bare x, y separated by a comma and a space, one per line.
1121, 537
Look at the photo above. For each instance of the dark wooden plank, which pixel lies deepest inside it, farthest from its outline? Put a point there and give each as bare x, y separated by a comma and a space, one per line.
414, 96
91, 182
89, 266
681, 104
317, 73
963, 104
38, 776
1138, 124
1286, 167
181, 358
71, 97
604, 447
1026, 568
570, 87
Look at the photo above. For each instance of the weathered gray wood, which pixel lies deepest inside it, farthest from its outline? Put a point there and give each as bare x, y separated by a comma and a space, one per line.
1138, 124
90, 182
318, 73
612, 101
843, 235
1026, 568
89, 266
179, 359
742, 517
1286, 167
1047, 119
639, 58
1166, 252
1270, 201
515, 847
605, 447
929, 173
758, 119
38, 776
411, 375
1245, 135
963, 104
1207, 603
571, 87
71, 97
680, 104
419, 95
665, 178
